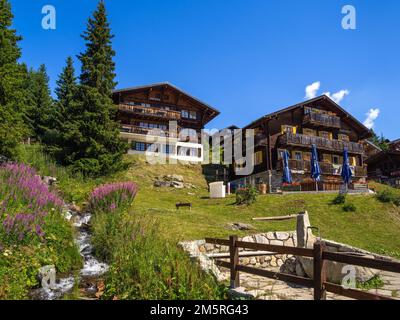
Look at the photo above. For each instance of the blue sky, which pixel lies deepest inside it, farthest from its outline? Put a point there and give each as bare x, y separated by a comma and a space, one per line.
245, 57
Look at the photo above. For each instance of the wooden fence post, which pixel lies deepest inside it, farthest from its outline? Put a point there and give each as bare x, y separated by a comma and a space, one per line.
319, 271
234, 261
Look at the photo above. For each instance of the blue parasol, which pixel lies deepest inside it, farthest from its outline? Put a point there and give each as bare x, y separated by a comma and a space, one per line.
315, 168
346, 170
287, 175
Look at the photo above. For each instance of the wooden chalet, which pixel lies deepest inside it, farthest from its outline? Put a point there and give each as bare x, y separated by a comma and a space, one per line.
319, 121
385, 165
147, 111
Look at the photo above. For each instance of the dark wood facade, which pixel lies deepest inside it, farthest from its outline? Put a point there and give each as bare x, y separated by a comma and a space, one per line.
319, 121
146, 109
385, 165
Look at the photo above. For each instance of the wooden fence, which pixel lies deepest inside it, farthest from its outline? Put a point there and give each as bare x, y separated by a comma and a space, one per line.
320, 257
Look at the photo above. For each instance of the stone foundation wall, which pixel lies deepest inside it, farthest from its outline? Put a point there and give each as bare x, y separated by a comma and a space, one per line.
265, 261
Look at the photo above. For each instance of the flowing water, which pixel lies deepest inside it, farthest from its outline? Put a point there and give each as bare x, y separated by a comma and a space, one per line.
89, 275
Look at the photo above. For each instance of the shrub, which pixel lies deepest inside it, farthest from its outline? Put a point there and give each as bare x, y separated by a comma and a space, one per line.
145, 266
110, 197
385, 196
349, 207
396, 201
33, 231
26, 205
339, 199
246, 196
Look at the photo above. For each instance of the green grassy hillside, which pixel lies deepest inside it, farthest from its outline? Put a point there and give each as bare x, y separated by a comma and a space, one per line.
374, 226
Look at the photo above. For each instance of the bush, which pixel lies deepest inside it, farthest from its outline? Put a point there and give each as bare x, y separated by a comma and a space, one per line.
339, 199
145, 266
110, 197
396, 201
246, 196
385, 196
33, 231
349, 207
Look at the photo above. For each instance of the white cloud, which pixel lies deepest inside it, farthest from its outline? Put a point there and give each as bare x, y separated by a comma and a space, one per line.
338, 96
312, 90
372, 115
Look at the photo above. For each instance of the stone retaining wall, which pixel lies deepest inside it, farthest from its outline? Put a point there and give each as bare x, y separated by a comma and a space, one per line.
263, 262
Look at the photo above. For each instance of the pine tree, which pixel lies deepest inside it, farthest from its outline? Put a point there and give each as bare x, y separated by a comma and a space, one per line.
41, 109
66, 91
98, 67
12, 80
92, 142
381, 141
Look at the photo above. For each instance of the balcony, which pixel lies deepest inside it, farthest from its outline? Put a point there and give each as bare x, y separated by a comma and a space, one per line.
150, 112
301, 140
326, 168
321, 120
147, 131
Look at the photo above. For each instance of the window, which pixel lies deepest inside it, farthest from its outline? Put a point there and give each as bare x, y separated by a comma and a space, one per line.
193, 115
288, 129
335, 159
298, 155
140, 146
185, 114
309, 132
258, 158
327, 158
343, 137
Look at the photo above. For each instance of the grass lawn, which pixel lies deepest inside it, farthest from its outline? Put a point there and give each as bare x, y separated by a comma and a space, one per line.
374, 226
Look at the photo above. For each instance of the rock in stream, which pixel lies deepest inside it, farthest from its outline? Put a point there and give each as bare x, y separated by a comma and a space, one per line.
89, 275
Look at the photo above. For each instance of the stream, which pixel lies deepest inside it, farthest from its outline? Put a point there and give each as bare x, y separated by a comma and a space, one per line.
89, 276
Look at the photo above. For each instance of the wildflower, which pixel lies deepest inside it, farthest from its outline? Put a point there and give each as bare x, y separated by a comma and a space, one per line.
111, 196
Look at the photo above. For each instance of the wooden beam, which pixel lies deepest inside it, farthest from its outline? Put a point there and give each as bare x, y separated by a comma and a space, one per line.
352, 293
241, 254
319, 271
277, 218
234, 261
274, 248
391, 266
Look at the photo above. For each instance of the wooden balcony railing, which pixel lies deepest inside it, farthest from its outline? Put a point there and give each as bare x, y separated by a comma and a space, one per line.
320, 119
326, 168
321, 143
146, 131
151, 111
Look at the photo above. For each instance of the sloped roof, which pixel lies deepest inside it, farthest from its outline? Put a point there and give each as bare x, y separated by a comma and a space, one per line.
379, 156
372, 145
338, 108
214, 111
395, 141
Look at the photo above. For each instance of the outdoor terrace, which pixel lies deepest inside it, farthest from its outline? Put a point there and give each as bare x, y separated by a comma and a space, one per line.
302, 140
150, 111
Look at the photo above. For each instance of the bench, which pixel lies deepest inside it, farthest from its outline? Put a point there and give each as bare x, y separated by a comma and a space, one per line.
184, 205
